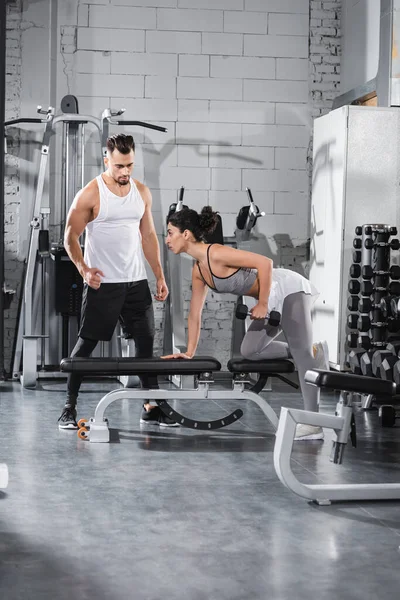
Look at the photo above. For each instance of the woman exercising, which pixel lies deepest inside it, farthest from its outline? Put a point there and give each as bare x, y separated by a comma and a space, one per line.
228, 270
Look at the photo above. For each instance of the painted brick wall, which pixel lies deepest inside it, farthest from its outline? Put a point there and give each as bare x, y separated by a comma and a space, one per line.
236, 82
13, 265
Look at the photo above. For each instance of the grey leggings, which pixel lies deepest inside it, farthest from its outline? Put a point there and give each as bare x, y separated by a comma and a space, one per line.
259, 342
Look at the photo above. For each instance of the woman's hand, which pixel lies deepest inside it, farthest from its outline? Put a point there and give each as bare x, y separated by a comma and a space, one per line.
177, 355
259, 311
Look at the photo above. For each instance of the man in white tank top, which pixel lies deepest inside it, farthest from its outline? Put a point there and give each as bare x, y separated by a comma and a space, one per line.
115, 211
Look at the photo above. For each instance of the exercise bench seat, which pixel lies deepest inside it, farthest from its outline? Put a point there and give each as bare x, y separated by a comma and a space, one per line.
263, 367
350, 383
140, 366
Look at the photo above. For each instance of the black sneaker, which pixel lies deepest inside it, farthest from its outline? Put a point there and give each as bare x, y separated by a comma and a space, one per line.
68, 419
155, 416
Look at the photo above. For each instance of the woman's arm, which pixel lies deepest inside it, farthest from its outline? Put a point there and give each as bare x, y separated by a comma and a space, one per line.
232, 257
199, 293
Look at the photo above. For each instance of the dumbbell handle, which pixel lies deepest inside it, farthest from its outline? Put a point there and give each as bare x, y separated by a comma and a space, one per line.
274, 317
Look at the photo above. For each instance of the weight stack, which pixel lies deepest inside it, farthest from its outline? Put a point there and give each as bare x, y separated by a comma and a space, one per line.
372, 286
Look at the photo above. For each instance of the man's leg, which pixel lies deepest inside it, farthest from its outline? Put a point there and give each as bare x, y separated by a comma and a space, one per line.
100, 310
137, 322
67, 420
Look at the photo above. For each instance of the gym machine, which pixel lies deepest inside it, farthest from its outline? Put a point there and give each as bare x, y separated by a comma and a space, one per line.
343, 425
41, 304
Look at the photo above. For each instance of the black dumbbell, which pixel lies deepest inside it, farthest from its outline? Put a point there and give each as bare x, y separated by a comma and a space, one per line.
394, 287
387, 366
396, 373
355, 270
353, 358
354, 286
393, 346
364, 341
352, 302
358, 230
352, 321
366, 363
367, 272
364, 304
357, 243
242, 311
377, 359
356, 256
387, 415
366, 288
385, 305
395, 306
393, 325
395, 244
352, 339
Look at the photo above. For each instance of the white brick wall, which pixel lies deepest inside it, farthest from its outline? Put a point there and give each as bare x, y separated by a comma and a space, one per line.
13, 266
236, 82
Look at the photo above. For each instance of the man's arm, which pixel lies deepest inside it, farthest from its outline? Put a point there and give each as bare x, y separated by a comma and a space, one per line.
79, 215
151, 247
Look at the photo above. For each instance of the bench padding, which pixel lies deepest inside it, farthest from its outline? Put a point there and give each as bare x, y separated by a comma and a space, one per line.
350, 383
140, 366
264, 367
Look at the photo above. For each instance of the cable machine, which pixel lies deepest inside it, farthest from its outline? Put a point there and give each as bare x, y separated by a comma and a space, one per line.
53, 289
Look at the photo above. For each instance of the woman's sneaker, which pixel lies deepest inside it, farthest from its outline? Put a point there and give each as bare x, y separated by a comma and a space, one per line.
308, 432
68, 419
322, 356
155, 416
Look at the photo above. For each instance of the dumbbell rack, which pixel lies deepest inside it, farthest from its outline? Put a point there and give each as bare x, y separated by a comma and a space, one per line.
374, 288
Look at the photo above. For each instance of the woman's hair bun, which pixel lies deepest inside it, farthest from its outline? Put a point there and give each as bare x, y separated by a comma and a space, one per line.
208, 220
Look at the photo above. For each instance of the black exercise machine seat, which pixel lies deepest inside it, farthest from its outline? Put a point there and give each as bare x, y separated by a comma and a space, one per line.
140, 366
350, 383
263, 367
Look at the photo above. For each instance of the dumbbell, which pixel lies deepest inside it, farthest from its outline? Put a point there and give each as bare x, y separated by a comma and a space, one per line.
356, 256
387, 415
364, 341
242, 311
352, 339
368, 272
355, 270
367, 288
370, 243
352, 321
395, 305
354, 286
377, 359
365, 304
352, 303
354, 358
386, 369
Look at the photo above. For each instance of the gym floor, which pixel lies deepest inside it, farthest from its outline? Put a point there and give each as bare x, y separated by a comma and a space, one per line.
181, 514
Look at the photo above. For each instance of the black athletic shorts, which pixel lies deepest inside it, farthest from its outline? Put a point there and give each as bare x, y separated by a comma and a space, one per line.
129, 303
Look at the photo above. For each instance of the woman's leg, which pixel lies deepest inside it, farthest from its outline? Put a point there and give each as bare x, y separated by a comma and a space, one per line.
297, 327
259, 342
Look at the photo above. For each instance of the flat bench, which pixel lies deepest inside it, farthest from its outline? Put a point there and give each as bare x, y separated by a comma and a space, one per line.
201, 366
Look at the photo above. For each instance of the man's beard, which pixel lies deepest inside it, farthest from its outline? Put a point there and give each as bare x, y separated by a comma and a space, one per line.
123, 182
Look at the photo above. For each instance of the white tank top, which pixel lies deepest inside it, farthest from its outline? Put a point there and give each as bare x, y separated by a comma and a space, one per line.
113, 241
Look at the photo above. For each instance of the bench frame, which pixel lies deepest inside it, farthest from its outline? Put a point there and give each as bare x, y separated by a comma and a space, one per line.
341, 425
98, 424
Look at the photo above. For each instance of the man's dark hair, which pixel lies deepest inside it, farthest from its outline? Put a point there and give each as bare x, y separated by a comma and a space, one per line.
123, 143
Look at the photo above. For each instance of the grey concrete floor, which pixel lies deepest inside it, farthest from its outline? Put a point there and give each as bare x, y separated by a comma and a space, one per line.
182, 514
